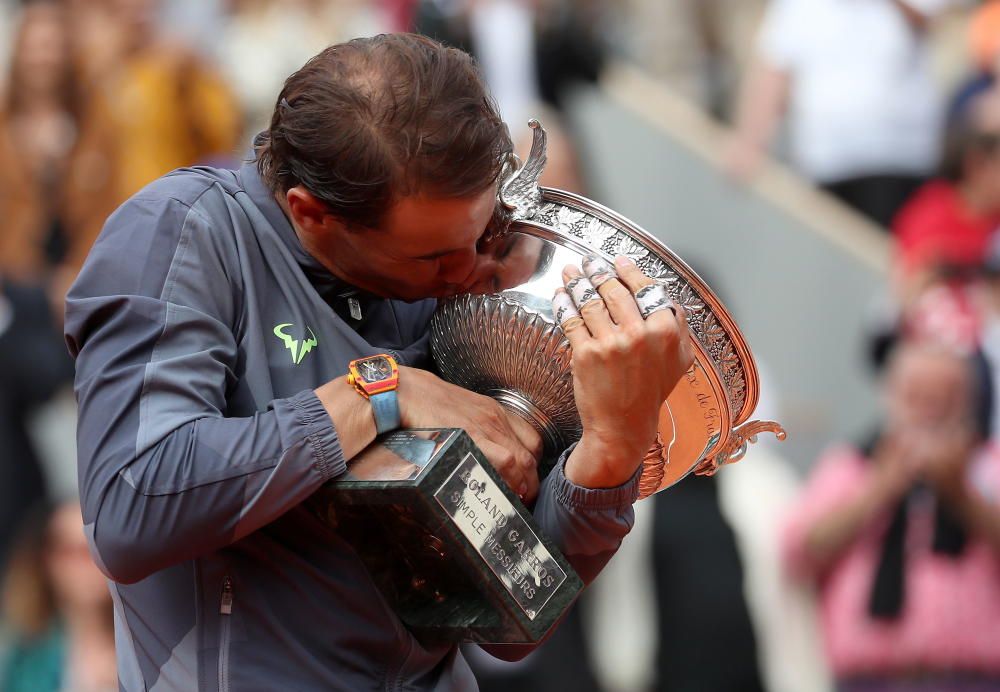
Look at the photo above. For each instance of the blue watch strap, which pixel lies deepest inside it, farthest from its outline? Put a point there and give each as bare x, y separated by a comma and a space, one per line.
385, 406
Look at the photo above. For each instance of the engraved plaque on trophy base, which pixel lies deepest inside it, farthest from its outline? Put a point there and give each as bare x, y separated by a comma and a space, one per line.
452, 549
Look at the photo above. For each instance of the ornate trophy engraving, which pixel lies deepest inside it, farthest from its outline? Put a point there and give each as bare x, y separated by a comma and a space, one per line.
507, 344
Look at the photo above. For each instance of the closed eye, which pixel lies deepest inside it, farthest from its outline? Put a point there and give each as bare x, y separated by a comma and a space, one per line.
435, 255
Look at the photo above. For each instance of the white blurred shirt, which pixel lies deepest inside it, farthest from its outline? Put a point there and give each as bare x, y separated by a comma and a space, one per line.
862, 100
259, 48
503, 32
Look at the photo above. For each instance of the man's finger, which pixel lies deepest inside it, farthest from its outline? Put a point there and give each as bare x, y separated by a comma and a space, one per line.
650, 296
568, 318
598, 270
528, 490
631, 275
522, 481
619, 300
654, 298
588, 301
527, 434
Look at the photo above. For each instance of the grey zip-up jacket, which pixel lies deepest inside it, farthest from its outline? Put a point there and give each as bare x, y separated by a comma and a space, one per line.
200, 437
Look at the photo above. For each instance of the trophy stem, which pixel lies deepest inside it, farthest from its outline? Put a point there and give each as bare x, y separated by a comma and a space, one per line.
516, 403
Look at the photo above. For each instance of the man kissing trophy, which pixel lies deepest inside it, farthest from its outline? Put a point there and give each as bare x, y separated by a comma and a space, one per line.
281, 491
451, 545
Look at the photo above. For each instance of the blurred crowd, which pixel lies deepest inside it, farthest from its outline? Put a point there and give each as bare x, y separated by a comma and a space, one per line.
881, 573
897, 531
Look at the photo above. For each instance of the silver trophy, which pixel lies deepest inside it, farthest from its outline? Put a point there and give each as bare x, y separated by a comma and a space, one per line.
507, 345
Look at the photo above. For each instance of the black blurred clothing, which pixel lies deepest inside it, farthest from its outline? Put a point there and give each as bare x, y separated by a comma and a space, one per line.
878, 197
34, 364
558, 664
706, 638
568, 51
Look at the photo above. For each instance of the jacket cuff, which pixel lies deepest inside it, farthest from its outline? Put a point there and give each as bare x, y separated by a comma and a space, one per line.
320, 433
594, 499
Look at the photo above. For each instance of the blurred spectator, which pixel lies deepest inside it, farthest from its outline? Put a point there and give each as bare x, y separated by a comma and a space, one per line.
984, 37
529, 51
257, 55
902, 536
987, 291
6, 31
33, 365
399, 13
983, 48
97, 40
38, 127
694, 46
59, 606
947, 227
37, 131
201, 22
159, 107
696, 579
863, 112
532, 54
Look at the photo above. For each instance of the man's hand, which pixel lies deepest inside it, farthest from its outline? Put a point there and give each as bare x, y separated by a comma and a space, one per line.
509, 442
624, 367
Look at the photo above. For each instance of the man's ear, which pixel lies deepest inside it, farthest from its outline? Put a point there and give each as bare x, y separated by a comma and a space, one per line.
309, 214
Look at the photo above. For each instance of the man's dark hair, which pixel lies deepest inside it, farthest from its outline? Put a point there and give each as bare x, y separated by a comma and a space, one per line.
375, 119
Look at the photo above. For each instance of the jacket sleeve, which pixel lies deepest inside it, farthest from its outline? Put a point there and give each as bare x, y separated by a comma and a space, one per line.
587, 525
164, 475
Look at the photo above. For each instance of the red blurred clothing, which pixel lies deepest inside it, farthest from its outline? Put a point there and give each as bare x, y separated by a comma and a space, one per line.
400, 13
950, 621
937, 228
947, 314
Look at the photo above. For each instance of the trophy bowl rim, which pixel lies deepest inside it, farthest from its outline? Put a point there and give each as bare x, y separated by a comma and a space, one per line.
713, 303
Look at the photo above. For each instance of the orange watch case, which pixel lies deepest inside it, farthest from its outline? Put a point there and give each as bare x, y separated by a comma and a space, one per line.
366, 388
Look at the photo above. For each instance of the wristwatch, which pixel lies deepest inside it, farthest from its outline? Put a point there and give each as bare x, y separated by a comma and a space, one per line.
376, 379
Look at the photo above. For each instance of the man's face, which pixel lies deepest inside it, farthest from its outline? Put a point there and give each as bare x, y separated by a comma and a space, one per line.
426, 248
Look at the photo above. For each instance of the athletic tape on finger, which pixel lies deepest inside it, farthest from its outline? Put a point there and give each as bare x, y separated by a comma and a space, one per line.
652, 298
582, 291
563, 308
598, 271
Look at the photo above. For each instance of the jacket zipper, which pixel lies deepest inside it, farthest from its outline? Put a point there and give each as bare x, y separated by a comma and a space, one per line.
226, 610
394, 680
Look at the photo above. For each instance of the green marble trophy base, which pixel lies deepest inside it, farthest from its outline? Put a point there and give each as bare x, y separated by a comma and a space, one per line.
450, 546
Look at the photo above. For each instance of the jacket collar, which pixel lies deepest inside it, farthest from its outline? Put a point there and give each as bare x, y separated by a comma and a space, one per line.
264, 200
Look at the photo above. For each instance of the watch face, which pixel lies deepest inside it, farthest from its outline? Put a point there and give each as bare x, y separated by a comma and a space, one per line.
375, 369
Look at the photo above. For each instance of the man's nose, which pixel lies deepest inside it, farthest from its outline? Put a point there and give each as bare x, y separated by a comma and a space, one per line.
456, 267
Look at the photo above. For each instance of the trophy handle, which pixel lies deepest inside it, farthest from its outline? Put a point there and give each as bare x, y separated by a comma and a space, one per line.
521, 193
736, 446
654, 463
